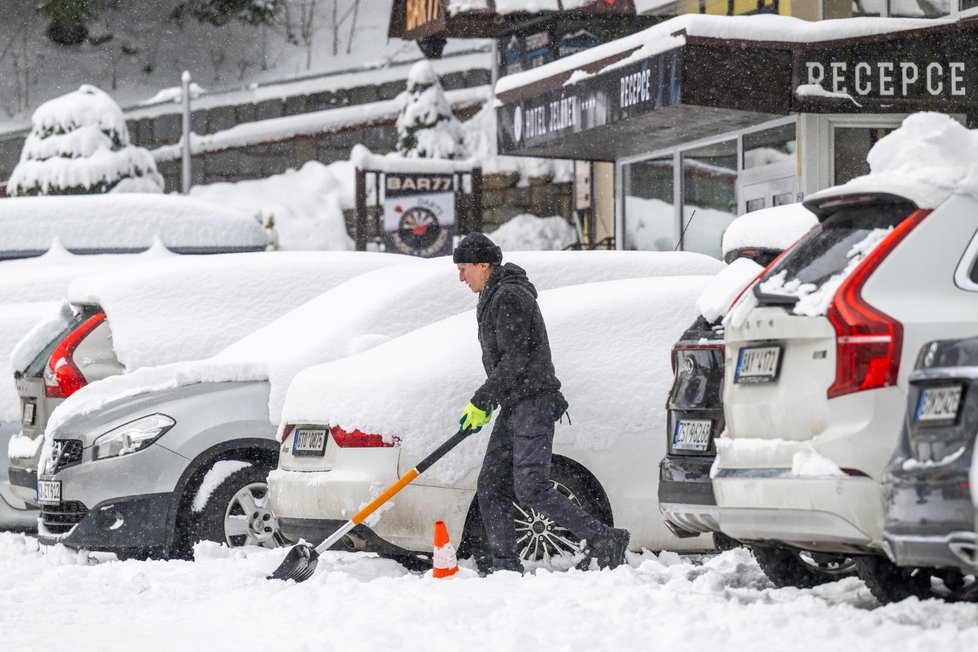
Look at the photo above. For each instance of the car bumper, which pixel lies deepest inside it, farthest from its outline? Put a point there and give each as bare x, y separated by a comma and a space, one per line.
953, 550
312, 505
929, 518
823, 514
132, 523
113, 489
23, 483
686, 497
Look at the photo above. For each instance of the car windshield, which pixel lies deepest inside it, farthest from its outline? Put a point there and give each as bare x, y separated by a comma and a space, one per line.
828, 249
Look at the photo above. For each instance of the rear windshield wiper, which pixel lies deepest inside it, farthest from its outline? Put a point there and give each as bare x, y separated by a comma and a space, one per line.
770, 299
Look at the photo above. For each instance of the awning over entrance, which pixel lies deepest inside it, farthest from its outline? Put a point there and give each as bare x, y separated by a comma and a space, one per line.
694, 84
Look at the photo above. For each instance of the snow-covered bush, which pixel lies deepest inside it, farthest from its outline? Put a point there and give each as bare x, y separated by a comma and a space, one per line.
79, 144
426, 126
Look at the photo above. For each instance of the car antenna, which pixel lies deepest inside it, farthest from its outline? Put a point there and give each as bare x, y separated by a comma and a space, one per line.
683, 234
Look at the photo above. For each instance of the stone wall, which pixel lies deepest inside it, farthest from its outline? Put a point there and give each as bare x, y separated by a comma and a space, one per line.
503, 198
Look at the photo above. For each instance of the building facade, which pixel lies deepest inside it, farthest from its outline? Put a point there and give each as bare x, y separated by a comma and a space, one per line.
701, 118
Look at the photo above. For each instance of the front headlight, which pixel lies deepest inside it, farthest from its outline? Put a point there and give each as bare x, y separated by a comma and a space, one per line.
133, 436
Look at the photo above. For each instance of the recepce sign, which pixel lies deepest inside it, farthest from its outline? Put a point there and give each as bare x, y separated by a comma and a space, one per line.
940, 75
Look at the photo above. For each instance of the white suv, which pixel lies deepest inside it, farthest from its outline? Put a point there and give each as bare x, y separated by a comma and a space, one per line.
817, 360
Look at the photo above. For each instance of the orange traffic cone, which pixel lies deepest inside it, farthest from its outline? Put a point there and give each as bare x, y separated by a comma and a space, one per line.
445, 563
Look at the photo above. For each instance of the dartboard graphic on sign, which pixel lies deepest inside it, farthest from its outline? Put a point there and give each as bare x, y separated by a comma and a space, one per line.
418, 221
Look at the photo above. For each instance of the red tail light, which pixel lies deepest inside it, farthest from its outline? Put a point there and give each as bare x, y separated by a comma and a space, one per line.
62, 377
868, 341
286, 431
357, 439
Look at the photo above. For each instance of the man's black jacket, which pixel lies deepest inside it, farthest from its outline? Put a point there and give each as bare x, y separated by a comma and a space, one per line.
515, 349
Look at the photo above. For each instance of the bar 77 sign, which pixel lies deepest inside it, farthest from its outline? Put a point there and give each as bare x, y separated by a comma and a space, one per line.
419, 213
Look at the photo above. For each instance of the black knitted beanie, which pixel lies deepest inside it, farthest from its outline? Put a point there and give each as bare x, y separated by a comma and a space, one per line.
477, 248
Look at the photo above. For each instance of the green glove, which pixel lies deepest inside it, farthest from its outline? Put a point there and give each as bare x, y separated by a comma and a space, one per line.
473, 418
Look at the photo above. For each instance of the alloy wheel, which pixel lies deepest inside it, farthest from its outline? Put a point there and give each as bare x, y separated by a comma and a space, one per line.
540, 540
248, 520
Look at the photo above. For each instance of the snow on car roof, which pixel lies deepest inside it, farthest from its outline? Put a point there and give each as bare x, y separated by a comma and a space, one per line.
930, 157
123, 222
610, 344
777, 227
47, 277
16, 319
191, 307
369, 310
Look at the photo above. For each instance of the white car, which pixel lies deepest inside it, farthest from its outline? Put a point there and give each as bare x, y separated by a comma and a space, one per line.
818, 356
352, 427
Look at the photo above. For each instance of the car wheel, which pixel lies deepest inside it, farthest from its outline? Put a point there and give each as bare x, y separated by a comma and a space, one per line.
236, 513
789, 567
541, 541
891, 583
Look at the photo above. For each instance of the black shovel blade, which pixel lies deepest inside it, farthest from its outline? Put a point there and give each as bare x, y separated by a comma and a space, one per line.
298, 565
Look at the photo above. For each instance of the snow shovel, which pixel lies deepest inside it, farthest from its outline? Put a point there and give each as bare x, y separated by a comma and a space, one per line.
300, 563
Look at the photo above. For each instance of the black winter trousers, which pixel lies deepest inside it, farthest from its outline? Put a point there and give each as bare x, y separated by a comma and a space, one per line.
517, 467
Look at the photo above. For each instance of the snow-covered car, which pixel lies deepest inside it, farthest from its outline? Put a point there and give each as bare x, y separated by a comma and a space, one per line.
695, 405
221, 413
179, 308
124, 223
819, 353
31, 291
354, 426
929, 529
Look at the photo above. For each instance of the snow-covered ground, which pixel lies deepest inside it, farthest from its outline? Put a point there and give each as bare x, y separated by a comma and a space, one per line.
56, 599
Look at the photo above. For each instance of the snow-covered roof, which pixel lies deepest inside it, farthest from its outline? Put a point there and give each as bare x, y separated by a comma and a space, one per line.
610, 343
123, 223
930, 157
671, 34
369, 310
191, 307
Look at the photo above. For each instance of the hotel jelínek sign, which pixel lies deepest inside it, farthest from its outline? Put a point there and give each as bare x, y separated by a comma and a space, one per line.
594, 102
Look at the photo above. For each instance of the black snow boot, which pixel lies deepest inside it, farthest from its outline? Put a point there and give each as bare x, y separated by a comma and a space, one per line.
609, 548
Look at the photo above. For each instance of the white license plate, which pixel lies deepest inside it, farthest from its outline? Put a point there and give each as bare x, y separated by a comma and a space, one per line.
49, 492
757, 364
309, 441
29, 411
939, 403
692, 434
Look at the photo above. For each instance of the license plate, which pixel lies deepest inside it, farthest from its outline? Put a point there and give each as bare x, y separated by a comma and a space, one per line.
757, 364
692, 434
49, 492
939, 403
309, 441
30, 409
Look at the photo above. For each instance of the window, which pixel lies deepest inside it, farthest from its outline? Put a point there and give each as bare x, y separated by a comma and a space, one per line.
850, 146
649, 209
709, 196
893, 8
777, 145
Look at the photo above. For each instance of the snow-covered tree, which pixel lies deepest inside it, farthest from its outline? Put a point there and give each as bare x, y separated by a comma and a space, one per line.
79, 144
426, 126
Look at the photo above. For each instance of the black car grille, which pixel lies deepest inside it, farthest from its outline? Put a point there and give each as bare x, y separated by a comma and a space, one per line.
71, 453
60, 518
